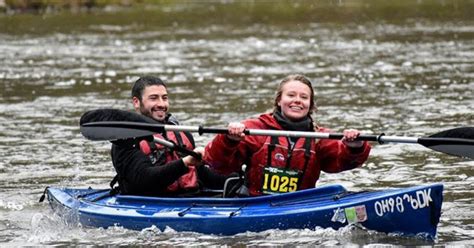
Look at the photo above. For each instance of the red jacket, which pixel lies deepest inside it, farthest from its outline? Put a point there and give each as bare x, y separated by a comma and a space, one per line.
287, 168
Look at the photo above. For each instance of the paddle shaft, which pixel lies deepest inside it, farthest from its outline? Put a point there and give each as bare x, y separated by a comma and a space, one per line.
283, 133
457, 141
110, 130
463, 147
381, 138
177, 148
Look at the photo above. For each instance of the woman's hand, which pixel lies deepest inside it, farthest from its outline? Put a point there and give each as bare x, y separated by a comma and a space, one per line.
349, 138
236, 131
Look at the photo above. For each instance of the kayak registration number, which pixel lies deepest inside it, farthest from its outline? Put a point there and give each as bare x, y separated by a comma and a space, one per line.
421, 199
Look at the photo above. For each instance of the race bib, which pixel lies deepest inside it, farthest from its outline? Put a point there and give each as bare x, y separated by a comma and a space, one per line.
279, 180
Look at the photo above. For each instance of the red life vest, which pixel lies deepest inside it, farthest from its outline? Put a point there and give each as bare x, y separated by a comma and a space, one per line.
278, 168
160, 155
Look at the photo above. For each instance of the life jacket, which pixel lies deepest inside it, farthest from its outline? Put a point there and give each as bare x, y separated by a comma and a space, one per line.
282, 166
160, 155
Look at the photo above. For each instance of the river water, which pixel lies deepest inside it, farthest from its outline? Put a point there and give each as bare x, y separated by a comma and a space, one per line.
405, 70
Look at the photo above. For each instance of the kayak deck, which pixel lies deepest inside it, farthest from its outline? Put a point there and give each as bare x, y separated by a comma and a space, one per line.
413, 211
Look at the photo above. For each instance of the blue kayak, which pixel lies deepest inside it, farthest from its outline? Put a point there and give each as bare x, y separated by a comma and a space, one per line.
412, 211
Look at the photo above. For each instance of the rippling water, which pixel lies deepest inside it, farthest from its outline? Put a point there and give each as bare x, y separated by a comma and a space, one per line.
410, 76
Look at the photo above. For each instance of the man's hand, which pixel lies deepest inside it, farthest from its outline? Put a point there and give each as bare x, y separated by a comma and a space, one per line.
192, 161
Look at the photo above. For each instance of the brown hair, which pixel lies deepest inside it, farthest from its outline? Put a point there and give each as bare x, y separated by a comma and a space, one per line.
299, 78
142, 83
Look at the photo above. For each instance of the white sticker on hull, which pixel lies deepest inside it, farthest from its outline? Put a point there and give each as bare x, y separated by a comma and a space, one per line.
421, 199
339, 216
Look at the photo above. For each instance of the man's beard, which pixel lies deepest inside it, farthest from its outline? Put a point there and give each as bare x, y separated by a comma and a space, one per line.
149, 114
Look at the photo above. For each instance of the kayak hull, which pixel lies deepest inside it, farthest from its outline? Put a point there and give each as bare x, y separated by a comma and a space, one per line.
413, 211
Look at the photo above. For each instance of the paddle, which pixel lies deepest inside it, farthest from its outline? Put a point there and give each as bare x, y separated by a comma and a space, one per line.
177, 148
112, 124
101, 115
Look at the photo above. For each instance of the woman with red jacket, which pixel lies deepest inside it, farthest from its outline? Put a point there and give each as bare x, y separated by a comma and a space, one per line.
280, 164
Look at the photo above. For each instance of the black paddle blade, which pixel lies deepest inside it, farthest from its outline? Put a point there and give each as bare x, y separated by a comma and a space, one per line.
460, 133
114, 124
116, 130
113, 115
457, 141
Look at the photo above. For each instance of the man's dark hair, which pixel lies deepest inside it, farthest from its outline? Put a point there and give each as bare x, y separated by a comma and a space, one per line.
142, 83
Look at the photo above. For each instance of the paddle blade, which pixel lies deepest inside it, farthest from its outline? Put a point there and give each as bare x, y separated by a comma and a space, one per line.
457, 141
460, 133
114, 124
99, 115
110, 130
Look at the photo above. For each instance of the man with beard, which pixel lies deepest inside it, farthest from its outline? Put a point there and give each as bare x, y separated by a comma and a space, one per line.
148, 168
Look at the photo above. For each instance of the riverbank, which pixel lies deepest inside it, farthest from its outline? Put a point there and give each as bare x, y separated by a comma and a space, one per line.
432, 8
54, 6
20, 16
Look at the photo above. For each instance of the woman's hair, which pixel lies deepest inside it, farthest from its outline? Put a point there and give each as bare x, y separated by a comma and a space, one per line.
299, 78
